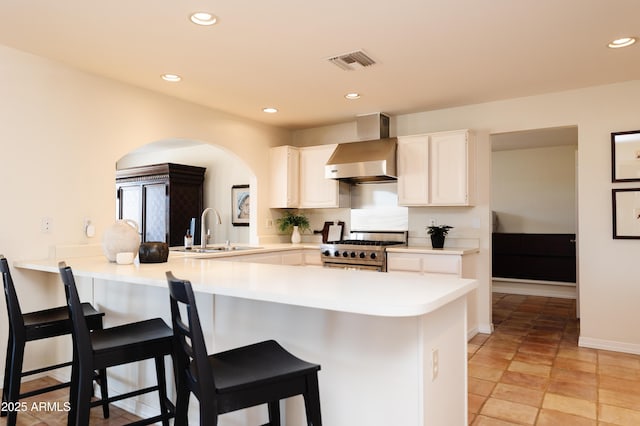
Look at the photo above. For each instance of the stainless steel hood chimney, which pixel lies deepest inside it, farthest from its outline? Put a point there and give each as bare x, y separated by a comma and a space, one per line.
371, 159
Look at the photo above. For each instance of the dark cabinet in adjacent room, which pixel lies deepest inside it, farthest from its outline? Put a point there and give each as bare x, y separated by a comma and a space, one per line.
545, 257
161, 198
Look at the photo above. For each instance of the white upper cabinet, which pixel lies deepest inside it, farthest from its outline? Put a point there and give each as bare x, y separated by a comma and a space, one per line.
316, 191
297, 179
284, 163
436, 169
413, 170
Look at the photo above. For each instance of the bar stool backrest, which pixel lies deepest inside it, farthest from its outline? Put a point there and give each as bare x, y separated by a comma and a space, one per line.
16, 321
192, 363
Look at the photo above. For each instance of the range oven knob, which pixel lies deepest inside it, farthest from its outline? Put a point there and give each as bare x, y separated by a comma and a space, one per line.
353, 254
336, 253
373, 256
362, 255
345, 254
326, 253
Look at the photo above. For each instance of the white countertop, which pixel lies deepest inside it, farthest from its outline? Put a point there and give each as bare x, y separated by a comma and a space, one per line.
361, 292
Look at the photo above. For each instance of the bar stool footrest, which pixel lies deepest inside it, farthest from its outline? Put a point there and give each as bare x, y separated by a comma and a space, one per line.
127, 395
44, 390
49, 368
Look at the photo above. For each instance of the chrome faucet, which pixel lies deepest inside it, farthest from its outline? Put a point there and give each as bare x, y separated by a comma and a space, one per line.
205, 235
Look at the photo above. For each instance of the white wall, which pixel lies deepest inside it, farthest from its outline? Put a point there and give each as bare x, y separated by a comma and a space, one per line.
533, 190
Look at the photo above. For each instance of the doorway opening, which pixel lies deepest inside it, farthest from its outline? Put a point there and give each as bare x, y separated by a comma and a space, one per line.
534, 205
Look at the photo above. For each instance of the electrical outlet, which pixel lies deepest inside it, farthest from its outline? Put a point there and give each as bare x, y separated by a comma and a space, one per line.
269, 223
435, 364
46, 224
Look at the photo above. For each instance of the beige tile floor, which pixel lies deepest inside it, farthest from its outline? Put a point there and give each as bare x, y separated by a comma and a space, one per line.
530, 371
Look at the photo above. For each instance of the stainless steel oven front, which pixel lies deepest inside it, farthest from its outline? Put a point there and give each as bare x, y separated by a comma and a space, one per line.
354, 267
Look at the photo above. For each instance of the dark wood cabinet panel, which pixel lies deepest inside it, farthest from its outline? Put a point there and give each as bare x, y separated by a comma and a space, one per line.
546, 257
161, 198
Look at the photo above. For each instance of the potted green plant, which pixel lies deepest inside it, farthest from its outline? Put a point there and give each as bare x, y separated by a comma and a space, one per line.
295, 223
438, 233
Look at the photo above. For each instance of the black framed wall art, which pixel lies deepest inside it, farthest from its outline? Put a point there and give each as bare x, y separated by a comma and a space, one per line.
626, 213
625, 156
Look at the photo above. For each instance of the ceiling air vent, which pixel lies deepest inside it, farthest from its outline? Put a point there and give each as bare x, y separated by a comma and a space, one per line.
353, 60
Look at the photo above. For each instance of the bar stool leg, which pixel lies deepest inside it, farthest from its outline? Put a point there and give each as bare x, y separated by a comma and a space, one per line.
7, 373
102, 380
162, 389
182, 402
84, 386
15, 373
312, 401
274, 413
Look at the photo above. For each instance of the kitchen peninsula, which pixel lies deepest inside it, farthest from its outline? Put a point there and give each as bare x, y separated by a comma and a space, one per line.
392, 346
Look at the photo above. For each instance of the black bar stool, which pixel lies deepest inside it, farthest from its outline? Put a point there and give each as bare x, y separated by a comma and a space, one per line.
32, 326
123, 344
262, 373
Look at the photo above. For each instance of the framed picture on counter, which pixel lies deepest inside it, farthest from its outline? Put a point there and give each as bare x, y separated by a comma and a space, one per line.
626, 213
240, 205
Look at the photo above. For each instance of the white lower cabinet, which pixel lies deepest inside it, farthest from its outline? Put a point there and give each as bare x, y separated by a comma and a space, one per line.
425, 263
274, 258
312, 257
302, 257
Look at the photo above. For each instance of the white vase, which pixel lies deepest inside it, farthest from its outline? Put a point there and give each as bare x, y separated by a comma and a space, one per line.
121, 237
295, 235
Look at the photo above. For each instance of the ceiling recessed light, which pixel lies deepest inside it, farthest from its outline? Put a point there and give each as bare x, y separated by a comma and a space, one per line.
203, 18
622, 42
270, 110
173, 78
352, 95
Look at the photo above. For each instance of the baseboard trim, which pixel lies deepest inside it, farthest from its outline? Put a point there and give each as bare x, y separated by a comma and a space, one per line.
471, 333
609, 345
485, 328
528, 288
482, 328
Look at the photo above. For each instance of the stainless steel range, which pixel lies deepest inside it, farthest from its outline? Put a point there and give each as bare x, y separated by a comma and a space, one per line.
364, 250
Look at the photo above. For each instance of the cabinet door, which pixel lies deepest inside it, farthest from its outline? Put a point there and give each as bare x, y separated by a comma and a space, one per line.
315, 189
413, 170
442, 264
284, 174
312, 257
155, 212
449, 168
130, 203
404, 262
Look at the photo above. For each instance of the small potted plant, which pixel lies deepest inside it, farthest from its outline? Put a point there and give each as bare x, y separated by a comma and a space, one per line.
295, 222
437, 235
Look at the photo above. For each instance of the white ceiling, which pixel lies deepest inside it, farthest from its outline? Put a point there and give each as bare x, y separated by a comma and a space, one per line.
430, 54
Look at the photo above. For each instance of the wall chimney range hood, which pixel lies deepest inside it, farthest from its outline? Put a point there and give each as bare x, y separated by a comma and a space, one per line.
371, 159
